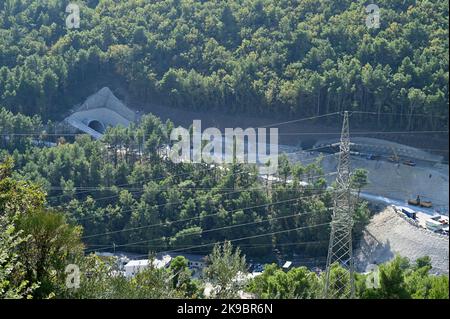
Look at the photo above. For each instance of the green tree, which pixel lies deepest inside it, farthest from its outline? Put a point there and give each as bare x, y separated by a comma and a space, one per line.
53, 244
225, 271
391, 281
181, 278
297, 283
359, 180
12, 282
439, 287
16, 199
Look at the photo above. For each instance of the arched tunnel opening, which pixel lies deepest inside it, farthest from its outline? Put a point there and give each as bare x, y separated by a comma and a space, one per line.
97, 126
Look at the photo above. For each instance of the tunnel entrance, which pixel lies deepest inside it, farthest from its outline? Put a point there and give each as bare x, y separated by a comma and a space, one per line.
97, 126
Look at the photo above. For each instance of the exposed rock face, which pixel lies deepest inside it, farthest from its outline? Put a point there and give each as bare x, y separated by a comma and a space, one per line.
99, 111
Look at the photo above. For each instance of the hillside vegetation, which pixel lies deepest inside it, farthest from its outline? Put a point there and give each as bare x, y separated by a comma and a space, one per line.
64, 199
287, 57
37, 243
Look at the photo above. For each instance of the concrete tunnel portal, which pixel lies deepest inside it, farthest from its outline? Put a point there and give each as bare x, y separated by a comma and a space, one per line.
98, 112
97, 126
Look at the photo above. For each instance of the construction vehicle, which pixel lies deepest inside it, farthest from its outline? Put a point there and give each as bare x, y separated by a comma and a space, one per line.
394, 157
409, 162
426, 204
373, 157
418, 202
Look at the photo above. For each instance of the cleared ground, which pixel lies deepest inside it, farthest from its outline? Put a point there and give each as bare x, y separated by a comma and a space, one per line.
389, 234
400, 182
304, 133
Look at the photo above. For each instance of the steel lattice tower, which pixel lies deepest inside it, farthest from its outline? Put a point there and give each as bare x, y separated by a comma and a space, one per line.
340, 284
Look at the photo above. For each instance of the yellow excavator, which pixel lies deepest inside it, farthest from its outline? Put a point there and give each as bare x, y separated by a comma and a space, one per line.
394, 157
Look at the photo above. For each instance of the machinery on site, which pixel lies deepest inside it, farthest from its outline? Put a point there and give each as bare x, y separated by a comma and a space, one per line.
373, 157
394, 158
419, 202
409, 162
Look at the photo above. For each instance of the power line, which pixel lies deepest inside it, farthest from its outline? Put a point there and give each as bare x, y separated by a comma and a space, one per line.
402, 147
265, 126
144, 181
387, 113
300, 120
340, 248
286, 133
178, 175
214, 229
165, 188
244, 245
138, 191
102, 188
245, 238
177, 202
194, 218
250, 246
367, 132
354, 132
221, 194
251, 237
75, 134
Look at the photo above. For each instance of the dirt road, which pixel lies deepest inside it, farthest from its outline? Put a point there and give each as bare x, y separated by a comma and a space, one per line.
305, 133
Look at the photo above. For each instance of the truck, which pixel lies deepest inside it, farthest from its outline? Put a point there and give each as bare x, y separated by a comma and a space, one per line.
434, 225
373, 157
409, 162
408, 212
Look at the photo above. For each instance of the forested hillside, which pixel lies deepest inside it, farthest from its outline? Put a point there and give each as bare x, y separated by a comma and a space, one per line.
65, 197
126, 195
37, 243
285, 57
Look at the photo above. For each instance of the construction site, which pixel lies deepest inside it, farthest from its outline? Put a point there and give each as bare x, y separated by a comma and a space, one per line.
389, 233
395, 172
398, 176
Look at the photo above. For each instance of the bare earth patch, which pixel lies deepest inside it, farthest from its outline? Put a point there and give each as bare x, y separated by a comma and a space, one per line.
388, 234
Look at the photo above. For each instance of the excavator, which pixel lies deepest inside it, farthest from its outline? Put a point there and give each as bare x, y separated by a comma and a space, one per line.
394, 157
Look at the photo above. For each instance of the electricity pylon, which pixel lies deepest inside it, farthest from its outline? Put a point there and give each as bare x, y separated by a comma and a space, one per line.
340, 283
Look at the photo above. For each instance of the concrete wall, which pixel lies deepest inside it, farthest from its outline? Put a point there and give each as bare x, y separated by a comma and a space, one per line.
103, 107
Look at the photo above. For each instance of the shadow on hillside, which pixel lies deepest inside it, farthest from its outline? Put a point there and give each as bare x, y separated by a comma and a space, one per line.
372, 252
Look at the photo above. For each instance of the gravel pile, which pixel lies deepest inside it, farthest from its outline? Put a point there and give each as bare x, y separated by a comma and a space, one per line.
388, 234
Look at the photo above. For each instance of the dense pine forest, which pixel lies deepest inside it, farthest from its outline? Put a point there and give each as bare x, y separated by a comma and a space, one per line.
37, 243
292, 57
123, 192
66, 197
60, 204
